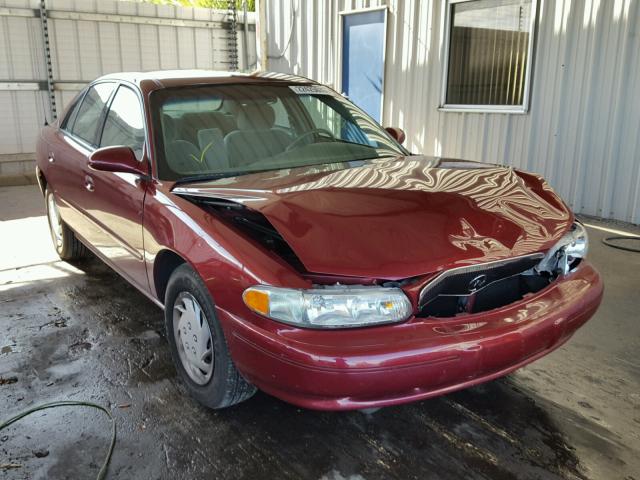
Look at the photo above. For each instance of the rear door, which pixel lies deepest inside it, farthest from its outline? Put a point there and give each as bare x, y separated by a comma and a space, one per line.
115, 200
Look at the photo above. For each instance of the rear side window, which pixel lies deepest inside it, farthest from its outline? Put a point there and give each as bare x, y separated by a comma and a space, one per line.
89, 117
125, 123
67, 123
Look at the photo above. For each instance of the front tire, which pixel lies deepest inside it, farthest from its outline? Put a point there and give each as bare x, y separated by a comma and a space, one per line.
64, 240
197, 343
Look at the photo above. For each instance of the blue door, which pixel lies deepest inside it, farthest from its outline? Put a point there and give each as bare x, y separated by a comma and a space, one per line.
363, 39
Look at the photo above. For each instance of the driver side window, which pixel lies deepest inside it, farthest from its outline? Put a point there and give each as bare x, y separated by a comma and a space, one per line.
125, 123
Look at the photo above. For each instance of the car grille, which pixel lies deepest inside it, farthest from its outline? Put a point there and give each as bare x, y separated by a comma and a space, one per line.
481, 287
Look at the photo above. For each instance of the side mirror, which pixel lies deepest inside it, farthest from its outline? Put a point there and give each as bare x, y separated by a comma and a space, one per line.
397, 134
116, 159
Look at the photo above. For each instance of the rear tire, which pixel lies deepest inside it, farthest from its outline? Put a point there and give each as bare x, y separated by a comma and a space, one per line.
64, 239
197, 343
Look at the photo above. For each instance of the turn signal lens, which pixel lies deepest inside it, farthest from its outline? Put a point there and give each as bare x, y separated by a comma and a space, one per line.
257, 301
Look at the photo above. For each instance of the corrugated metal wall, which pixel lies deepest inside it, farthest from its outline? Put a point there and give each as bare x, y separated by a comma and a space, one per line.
582, 131
87, 43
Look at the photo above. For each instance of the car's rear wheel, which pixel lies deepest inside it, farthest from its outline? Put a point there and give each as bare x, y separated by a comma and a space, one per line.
197, 343
65, 242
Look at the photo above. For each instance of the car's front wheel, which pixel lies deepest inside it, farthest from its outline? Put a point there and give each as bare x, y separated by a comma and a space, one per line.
197, 343
65, 242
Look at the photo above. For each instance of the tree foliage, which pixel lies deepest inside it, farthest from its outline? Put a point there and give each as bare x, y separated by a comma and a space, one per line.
216, 4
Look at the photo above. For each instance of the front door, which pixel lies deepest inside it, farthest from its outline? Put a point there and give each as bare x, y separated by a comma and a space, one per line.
116, 200
363, 43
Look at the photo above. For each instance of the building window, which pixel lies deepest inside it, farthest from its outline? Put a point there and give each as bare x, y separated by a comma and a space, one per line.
489, 45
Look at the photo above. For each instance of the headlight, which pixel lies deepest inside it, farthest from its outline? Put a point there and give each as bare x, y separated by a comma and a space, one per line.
329, 307
564, 256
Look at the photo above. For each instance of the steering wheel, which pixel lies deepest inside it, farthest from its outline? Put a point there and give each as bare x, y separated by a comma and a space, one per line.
316, 131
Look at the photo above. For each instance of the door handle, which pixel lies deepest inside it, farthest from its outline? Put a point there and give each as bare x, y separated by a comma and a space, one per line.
88, 183
52, 158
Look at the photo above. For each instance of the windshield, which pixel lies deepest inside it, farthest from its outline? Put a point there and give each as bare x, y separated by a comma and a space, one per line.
235, 129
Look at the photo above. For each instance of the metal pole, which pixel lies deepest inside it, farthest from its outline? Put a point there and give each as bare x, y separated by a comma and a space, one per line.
232, 35
47, 60
261, 27
245, 35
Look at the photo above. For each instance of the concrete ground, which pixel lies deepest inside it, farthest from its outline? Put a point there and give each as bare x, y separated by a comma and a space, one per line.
79, 332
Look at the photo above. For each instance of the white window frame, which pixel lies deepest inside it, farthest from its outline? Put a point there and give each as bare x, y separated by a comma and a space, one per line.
447, 7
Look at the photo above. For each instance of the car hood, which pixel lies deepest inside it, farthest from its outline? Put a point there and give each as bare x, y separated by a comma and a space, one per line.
400, 217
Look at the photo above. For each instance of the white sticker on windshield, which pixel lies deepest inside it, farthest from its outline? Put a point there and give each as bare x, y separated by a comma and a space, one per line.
311, 90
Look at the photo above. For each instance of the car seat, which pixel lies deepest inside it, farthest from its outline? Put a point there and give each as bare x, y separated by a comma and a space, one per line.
182, 156
211, 142
255, 138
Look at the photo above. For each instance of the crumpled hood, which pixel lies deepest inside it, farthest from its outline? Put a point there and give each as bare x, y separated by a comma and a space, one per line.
402, 217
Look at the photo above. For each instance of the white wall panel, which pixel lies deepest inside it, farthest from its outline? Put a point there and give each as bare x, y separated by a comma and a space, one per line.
85, 47
582, 129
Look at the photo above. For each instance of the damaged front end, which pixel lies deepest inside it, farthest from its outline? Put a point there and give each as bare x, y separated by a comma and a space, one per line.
337, 301
252, 224
565, 256
484, 287
329, 303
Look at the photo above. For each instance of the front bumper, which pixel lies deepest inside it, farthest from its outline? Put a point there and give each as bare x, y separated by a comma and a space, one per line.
420, 358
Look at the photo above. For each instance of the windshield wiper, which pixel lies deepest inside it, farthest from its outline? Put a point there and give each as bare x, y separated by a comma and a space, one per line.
214, 176
340, 140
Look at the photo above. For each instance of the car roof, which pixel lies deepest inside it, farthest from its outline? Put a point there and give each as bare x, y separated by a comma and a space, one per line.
177, 78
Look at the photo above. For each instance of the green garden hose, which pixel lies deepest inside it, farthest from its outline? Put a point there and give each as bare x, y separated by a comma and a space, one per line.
66, 403
609, 242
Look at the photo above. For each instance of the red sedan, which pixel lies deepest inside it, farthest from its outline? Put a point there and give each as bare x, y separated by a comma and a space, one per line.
296, 247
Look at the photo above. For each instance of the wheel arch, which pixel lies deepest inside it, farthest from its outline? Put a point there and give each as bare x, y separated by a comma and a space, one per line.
42, 180
164, 265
